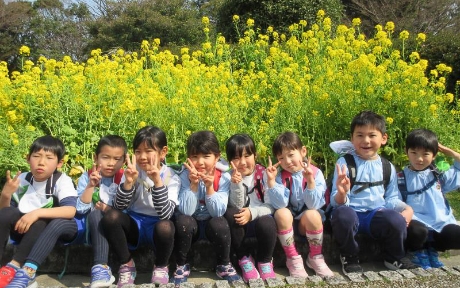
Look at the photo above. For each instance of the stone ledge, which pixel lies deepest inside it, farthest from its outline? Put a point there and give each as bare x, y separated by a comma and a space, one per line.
201, 256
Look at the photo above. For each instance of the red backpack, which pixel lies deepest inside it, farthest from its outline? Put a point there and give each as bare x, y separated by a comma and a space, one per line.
116, 178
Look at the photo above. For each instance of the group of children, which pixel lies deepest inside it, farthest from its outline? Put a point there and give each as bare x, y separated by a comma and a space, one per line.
125, 201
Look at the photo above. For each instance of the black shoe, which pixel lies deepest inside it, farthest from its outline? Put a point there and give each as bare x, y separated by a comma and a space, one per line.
404, 263
350, 264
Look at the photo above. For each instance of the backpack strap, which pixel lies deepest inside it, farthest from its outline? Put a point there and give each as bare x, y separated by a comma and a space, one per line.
50, 183
258, 176
286, 177
117, 177
351, 165
217, 175
386, 171
386, 168
402, 185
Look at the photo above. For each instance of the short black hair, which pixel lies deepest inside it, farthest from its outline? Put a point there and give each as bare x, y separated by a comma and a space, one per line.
152, 135
237, 144
112, 141
287, 140
204, 142
48, 143
368, 118
422, 138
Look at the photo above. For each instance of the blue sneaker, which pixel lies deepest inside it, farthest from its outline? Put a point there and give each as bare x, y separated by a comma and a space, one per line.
227, 272
101, 276
433, 258
181, 274
420, 258
23, 280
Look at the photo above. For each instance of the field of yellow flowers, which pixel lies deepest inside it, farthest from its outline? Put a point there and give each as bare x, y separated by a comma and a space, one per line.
311, 81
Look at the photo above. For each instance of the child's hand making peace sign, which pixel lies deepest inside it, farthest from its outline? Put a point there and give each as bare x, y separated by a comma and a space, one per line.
307, 173
272, 171
236, 175
95, 176
131, 172
154, 172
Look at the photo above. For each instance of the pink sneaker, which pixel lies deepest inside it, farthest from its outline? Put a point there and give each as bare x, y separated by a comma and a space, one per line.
266, 270
248, 269
296, 268
317, 263
160, 275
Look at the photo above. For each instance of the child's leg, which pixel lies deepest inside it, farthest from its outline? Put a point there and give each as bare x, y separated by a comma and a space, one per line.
237, 232
120, 229
447, 239
417, 235
58, 229
186, 228
101, 274
294, 262
391, 227
114, 223
266, 238
266, 234
63, 229
345, 222
284, 219
311, 225
8, 218
99, 243
218, 232
163, 238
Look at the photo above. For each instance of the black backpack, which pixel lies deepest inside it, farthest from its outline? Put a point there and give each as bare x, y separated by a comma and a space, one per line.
351, 165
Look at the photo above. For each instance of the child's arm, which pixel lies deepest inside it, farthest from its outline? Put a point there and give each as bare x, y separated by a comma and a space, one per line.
237, 191
313, 197
9, 188
340, 184
217, 202
163, 204
94, 179
450, 179
259, 208
188, 199
126, 190
449, 152
279, 194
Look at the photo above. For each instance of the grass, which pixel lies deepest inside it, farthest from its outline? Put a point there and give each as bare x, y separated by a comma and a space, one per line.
454, 202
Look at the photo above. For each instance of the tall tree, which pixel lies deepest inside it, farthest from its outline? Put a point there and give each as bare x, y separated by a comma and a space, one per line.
126, 23
59, 30
279, 14
427, 16
14, 19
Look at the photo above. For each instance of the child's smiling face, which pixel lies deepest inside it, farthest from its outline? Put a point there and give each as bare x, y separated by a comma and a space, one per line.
367, 141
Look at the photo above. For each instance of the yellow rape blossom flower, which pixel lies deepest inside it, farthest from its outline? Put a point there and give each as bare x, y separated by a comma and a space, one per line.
24, 51
250, 22
236, 18
205, 20
404, 35
421, 37
320, 13
390, 27
356, 22
389, 120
